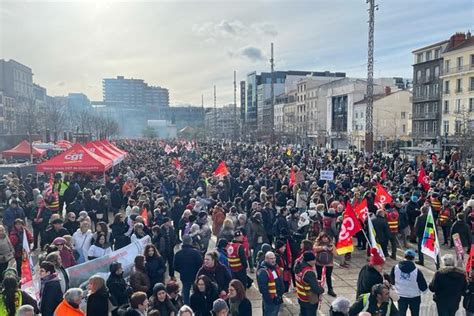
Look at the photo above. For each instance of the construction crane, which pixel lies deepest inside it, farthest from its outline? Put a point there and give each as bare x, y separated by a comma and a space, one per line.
369, 126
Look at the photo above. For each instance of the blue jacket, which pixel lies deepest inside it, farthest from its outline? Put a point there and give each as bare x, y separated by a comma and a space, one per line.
263, 279
10, 215
187, 262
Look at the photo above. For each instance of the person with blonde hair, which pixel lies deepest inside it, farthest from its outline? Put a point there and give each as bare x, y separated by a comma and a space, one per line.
98, 297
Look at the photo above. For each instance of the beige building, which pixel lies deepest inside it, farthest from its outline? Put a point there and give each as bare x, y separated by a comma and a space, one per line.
391, 120
458, 86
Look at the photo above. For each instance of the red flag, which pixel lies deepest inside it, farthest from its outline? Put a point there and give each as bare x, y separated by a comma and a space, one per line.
434, 158
470, 260
289, 257
292, 177
221, 170
361, 210
381, 196
423, 179
383, 174
177, 163
350, 226
144, 215
26, 263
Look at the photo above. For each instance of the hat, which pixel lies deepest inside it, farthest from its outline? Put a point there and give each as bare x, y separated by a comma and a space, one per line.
172, 287
202, 214
410, 253
375, 258
166, 219
57, 221
187, 240
266, 248
257, 216
222, 243
219, 305
192, 218
309, 256
279, 243
238, 233
304, 220
158, 287
293, 210
59, 241
113, 267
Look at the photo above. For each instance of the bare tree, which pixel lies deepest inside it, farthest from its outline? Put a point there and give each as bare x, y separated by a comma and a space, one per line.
54, 118
27, 116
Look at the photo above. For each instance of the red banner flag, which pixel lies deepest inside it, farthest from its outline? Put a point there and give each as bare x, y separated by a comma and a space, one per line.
144, 215
423, 179
381, 196
350, 226
470, 260
177, 163
292, 177
221, 170
361, 210
383, 174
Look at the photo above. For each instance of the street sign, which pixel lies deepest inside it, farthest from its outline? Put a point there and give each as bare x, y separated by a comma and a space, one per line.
327, 175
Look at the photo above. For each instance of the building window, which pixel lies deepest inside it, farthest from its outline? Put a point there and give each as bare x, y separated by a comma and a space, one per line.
458, 106
428, 55
361, 114
459, 62
435, 127
435, 90
435, 107
446, 127
437, 53
472, 61
446, 66
418, 76
436, 72
403, 115
357, 115
471, 82
419, 58
425, 125
446, 87
458, 85
457, 127
471, 104
446, 107
404, 129
427, 74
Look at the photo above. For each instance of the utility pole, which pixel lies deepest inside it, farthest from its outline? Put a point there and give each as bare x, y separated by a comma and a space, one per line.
272, 96
215, 112
235, 106
369, 135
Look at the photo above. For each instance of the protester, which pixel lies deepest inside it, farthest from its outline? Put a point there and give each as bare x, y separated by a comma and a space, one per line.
62, 275
17, 233
172, 288
448, 286
324, 251
7, 252
41, 217
139, 280
220, 308
98, 296
67, 255
51, 293
70, 303
161, 302
187, 262
204, 294
377, 302
370, 274
11, 297
216, 272
307, 285
237, 301
138, 305
82, 241
100, 248
155, 265
118, 287
270, 285
13, 213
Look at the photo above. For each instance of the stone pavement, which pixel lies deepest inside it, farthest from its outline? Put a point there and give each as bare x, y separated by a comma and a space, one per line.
345, 283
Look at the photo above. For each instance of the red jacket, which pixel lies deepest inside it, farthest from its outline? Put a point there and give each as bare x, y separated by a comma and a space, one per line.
16, 238
67, 257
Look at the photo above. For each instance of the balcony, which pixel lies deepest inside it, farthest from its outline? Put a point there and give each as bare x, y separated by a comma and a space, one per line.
429, 97
425, 116
456, 70
424, 135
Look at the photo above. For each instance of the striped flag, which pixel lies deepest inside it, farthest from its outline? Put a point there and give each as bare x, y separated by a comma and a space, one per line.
373, 240
27, 263
430, 243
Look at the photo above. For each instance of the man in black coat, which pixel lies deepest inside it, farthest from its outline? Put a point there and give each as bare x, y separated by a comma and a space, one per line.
420, 224
187, 262
382, 231
51, 294
169, 237
463, 230
370, 274
55, 230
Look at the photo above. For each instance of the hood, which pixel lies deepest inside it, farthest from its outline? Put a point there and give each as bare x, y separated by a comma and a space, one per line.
447, 270
406, 266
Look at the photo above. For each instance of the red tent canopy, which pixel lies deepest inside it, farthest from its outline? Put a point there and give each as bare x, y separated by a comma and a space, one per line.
65, 144
107, 143
23, 149
76, 159
110, 150
102, 153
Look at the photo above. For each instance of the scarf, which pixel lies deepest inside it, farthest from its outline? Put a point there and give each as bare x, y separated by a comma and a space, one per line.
234, 306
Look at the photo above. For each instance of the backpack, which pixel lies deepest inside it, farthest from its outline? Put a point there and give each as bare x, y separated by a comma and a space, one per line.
324, 257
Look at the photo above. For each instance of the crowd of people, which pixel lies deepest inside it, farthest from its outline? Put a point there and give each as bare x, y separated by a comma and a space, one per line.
268, 215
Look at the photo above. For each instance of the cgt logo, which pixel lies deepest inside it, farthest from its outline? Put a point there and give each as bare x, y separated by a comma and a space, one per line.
73, 157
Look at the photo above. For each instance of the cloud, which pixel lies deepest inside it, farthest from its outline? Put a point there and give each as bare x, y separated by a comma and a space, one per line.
252, 53
233, 29
61, 83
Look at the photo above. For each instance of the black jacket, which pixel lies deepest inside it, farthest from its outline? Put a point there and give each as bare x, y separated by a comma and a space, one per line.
98, 302
448, 285
169, 238
381, 228
219, 275
51, 234
420, 224
118, 237
245, 308
51, 296
201, 303
464, 231
368, 277
118, 289
187, 262
155, 268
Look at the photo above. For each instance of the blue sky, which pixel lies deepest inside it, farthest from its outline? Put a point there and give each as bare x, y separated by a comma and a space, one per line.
188, 46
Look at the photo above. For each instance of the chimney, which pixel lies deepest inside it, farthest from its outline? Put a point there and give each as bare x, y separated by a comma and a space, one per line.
387, 90
457, 39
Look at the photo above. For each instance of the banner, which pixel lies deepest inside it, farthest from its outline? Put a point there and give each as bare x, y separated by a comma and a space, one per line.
429, 243
361, 210
470, 260
372, 238
381, 197
79, 274
423, 179
327, 175
292, 177
350, 226
459, 250
221, 170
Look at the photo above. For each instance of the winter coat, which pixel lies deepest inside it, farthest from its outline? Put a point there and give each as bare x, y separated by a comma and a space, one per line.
44, 214
258, 234
187, 262
226, 233
119, 236
218, 274
98, 302
464, 231
280, 226
245, 308
368, 277
51, 234
448, 285
139, 280
71, 226
381, 228
118, 288
218, 217
420, 224
263, 279
67, 257
10, 214
66, 309
169, 238
155, 268
201, 303
468, 302
16, 238
51, 295
164, 308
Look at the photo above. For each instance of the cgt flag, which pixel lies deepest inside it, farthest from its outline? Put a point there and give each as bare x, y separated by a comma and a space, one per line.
27, 263
381, 196
361, 210
423, 179
429, 243
350, 226
292, 178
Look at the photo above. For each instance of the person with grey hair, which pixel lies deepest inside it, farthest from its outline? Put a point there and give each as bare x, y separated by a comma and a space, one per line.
26, 310
340, 307
70, 303
448, 285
